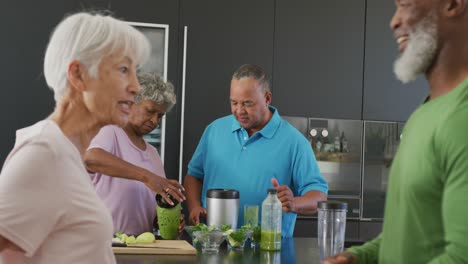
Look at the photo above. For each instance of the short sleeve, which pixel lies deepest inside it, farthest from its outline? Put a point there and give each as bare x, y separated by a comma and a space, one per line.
196, 164
306, 173
104, 139
29, 208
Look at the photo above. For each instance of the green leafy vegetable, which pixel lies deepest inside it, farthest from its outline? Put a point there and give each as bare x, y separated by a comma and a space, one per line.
203, 227
119, 234
225, 228
199, 227
246, 227
257, 234
239, 235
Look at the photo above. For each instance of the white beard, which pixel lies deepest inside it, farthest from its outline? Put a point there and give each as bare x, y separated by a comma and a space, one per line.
420, 51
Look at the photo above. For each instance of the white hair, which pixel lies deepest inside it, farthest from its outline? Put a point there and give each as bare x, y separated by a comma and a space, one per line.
88, 38
156, 89
420, 51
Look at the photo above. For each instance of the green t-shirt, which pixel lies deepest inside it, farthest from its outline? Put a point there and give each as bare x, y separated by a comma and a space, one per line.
426, 212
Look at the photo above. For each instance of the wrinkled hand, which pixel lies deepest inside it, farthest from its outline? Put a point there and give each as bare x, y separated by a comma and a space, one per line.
285, 195
342, 258
163, 187
181, 225
194, 217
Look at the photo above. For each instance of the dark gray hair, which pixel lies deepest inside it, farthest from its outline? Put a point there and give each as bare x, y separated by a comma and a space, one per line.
156, 89
251, 71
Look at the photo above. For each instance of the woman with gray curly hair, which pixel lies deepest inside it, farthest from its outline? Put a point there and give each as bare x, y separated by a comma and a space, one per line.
118, 154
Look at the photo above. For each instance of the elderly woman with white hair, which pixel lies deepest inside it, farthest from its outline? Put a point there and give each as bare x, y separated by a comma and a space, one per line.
49, 210
117, 154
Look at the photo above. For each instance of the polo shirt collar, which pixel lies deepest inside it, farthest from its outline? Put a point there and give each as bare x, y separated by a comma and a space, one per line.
270, 128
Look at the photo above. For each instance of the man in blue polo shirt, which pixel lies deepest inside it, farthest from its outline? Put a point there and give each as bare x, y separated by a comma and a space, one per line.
252, 150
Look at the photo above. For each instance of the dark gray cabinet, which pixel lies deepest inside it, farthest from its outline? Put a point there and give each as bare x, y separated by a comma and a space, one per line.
356, 230
222, 35
28, 98
318, 67
162, 12
385, 98
27, 27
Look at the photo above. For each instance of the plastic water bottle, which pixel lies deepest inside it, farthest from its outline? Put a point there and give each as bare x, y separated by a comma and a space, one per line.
271, 222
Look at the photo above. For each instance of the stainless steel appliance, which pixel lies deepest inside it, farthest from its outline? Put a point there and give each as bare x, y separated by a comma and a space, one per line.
222, 207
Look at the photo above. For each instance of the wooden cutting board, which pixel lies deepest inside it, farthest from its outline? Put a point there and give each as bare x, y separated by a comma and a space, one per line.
159, 247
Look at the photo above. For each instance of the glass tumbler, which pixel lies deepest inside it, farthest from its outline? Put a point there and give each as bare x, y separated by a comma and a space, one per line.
251, 215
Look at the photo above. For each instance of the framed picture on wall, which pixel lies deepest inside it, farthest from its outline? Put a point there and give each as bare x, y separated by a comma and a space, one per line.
158, 35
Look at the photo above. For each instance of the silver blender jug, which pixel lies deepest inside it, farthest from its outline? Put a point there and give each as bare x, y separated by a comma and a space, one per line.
222, 207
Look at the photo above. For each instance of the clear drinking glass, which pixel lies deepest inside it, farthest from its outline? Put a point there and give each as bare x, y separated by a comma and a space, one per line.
190, 230
251, 215
236, 239
210, 240
331, 227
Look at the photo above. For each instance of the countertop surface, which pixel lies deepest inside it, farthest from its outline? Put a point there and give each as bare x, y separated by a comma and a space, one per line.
293, 250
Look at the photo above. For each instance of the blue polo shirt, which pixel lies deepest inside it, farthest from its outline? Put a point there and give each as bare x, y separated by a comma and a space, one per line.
227, 158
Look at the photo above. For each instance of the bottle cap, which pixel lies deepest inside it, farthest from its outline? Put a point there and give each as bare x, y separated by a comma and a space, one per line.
272, 191
163, 203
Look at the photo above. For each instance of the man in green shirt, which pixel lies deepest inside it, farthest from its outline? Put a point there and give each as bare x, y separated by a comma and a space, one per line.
426, 212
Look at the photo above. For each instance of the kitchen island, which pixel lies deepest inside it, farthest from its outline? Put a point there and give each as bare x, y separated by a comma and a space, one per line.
293, 250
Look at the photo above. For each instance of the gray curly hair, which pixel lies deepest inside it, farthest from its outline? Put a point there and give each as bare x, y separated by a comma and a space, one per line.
156, 89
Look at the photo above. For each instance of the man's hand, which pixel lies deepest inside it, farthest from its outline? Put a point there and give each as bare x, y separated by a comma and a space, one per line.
342, 258
285, 195
195, 214
163, 187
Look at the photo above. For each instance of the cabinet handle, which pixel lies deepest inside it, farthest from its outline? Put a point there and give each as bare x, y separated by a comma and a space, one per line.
182, 109
162, 145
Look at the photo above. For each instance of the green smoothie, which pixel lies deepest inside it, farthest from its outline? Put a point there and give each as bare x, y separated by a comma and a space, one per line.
169, 221
270, 240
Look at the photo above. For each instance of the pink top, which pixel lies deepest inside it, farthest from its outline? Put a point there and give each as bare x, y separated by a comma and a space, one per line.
48, 206
132, 203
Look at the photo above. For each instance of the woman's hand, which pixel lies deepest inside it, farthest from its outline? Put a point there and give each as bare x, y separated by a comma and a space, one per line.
165, 187
99, 160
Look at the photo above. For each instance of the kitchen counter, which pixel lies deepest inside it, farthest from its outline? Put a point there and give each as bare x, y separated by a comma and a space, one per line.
293, 250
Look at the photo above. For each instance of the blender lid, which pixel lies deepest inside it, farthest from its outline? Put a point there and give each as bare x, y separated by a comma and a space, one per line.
163, 203
332, 205
223, 193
